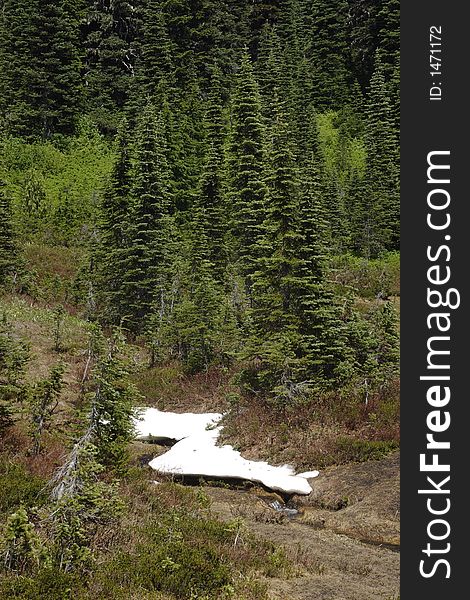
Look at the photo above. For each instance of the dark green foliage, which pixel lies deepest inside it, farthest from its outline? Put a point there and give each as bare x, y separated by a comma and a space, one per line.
269, 69
154, 64
389, 52
210, 205
220, 33
14, 355
326, 49
109, 260
377, 199
292, 345
40, 58
195, 322
16, 31
147, 241
19, 488
111, 29
185, 133
113, 399
246, 164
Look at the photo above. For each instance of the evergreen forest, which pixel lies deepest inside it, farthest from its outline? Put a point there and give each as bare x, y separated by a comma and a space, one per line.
199, 210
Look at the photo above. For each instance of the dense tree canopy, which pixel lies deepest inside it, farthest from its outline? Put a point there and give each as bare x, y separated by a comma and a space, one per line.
250, 142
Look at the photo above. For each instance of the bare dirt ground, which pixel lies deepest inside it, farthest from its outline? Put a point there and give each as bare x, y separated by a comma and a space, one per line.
345, 537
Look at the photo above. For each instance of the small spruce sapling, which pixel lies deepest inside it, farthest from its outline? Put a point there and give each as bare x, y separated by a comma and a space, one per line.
44, 399
14, 355
58, 332
22, 548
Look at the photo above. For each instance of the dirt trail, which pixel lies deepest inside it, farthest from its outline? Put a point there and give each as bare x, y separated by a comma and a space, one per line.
326, 538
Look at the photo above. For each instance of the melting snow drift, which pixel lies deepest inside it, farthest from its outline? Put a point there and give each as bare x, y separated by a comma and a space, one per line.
196, 452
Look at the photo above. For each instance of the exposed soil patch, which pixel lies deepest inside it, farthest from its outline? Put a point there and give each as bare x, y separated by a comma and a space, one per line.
344, 539
360, 500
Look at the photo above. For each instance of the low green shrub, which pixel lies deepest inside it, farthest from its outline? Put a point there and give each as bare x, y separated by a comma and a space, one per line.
353, 450
379, 277
47, 584
18, 487
177, 555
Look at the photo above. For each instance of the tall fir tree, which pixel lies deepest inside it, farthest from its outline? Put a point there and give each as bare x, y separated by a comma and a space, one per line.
113, 397
210, 205
16, 63
326, 49
219, 33
154, 64
293, 318
109, 258
195, 320
109, 59
388, 50
377, 227
148, 234
268, 68
247, 167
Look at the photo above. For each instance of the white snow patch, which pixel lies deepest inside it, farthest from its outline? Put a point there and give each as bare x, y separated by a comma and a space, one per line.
196, 452
309, 474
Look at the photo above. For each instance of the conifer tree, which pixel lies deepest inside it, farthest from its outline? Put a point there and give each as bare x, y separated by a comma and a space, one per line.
195, 321
187, 139
246, 164
22, 549
82, 503
16, 62
388, 341
219, 34
109, 256
263, 12
110, 35
154, 67
388, 49
268, 68
149, 226
379, 204
179, 16
43, 399
14, 355
210, 206
326, 50
275, 338
363, 38
293, 315
112, 401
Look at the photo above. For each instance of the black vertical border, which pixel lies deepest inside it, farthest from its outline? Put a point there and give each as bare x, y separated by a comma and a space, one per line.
427, 126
